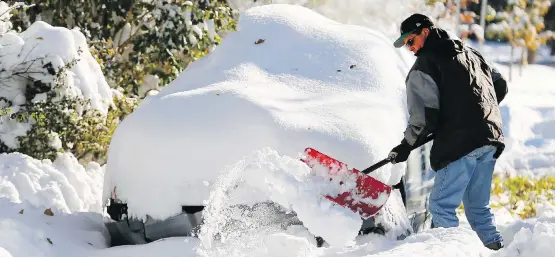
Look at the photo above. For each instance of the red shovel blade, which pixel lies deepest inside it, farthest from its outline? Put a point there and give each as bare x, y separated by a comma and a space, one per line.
366, 198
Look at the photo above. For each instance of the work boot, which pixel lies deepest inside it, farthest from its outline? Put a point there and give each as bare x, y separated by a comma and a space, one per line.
495, 246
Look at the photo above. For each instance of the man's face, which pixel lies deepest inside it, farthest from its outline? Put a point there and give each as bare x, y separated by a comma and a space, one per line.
415, 42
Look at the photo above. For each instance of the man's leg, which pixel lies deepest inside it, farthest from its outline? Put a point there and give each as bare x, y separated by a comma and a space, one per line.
477, 197
448, 190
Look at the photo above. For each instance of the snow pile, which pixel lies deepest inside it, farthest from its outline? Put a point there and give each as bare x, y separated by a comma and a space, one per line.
530, 237
26, 231
26, 56
265, 175
538, 241
335, 87
63, 185
528, 116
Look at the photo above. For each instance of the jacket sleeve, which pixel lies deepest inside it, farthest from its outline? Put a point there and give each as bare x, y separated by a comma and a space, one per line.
423, 106
500, 85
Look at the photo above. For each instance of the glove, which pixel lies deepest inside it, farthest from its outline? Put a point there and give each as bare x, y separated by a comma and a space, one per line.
400, 153
499, 150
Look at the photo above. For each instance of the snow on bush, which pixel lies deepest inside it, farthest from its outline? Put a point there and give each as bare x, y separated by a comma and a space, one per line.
288, 79
63, 185
54, 96
136, 39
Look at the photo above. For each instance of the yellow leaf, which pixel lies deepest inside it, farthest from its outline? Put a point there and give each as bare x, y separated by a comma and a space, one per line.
21, 211
48, 212
40, 38
49, 241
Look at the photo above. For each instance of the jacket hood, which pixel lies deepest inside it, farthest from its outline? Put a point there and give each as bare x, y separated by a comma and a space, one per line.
440, 42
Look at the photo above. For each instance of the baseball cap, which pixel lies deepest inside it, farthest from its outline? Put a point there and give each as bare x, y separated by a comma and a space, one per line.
410, 25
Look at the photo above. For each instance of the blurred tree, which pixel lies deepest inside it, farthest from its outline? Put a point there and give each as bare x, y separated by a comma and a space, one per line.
522, 24
550, 25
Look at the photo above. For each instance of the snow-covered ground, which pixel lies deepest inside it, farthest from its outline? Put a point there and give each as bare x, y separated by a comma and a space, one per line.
309, 93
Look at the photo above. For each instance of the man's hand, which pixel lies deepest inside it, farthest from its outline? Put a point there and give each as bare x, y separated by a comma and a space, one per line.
400, 153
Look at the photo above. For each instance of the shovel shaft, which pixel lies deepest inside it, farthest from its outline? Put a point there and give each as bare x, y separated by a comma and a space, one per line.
389, 159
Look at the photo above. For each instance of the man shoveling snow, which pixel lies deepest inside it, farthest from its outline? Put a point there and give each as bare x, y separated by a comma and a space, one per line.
453, 93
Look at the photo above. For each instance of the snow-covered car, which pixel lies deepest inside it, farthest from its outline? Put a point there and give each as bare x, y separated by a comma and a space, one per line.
288, 79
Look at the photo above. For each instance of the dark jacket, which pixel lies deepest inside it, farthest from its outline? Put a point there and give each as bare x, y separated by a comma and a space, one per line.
454, 93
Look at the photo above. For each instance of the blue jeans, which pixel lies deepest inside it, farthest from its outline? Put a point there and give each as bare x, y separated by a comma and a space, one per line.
467, 179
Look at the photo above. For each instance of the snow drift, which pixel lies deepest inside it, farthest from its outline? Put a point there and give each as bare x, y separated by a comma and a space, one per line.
72, 193
63, 185
528, 115
26, 231
288, 79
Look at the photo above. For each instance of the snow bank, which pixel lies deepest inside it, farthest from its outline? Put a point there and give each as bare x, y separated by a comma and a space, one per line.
528, 115
23, 58
530, 237
26, 231
309, 81
166, 247
63, 185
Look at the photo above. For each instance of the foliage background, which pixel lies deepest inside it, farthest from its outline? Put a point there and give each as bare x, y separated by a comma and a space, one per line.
140, 46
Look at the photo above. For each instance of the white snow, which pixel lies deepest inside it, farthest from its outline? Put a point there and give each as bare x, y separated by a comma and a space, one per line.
244, 117
528, 113
63, 185
265, 175
286, 95
531, 237
26, 231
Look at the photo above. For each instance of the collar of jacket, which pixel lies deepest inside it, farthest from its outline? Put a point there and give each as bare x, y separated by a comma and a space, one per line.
440, 42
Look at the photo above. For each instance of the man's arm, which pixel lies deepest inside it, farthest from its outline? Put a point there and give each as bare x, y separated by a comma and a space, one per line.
500, 85
423, 106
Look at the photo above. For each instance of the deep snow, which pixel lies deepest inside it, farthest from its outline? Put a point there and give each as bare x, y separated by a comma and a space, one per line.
63, 185
76, 228
334, 87
528, 116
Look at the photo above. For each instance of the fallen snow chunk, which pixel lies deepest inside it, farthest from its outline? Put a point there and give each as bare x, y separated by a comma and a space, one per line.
62, 185
538, 241
264, 175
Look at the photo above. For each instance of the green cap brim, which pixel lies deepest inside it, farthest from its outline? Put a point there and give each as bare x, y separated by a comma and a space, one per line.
400, 41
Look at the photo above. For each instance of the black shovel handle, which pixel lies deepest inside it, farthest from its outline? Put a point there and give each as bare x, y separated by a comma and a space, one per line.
389, 159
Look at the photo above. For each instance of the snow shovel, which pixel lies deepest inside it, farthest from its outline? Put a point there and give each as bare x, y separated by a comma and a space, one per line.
361, 194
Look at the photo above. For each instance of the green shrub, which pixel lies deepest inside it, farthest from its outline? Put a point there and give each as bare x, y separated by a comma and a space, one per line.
524, 193
133, 39
130, 40
57, 122
520, 195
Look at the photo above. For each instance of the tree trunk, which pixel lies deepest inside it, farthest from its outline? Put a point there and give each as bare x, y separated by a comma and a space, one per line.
531, 56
